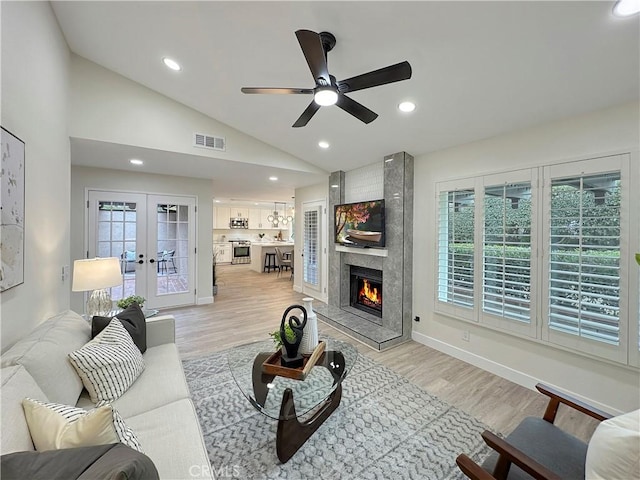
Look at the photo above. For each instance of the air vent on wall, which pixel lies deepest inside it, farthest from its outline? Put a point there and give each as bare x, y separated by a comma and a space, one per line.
209, 141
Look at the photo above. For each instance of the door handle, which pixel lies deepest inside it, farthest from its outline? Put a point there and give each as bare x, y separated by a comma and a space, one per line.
151, 260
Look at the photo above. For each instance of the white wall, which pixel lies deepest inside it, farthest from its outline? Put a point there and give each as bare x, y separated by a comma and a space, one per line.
35, 66
99, 178
303, 195
108, 107
609, 131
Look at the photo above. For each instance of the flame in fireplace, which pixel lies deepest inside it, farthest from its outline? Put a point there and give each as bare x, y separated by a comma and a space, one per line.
370, 294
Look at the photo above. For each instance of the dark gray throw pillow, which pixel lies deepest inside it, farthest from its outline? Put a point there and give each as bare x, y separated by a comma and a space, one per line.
133, 320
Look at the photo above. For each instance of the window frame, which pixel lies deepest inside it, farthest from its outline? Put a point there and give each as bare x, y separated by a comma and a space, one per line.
504, 323
628, 350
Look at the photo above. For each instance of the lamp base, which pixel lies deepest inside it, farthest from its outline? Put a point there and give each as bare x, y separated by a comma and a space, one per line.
99, 303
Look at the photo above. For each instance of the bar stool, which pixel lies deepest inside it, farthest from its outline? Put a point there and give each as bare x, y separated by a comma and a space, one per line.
269, 262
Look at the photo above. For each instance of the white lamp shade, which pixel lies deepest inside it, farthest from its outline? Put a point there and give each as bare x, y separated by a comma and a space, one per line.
96, 273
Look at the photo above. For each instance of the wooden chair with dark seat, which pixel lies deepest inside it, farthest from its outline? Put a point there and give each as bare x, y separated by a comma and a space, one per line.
536, 448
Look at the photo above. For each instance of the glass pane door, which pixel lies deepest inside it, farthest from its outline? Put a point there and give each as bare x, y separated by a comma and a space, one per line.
172, 234
117, 229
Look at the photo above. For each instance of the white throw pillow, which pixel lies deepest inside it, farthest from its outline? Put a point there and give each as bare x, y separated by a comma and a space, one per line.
109, 364
54, 426
614, 449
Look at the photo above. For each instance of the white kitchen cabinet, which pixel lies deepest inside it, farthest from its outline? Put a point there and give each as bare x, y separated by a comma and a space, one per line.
239, 212
266, 224
221, 217
223, 252
255, 218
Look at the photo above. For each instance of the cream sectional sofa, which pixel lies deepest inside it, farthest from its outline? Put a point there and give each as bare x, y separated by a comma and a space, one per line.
157, 407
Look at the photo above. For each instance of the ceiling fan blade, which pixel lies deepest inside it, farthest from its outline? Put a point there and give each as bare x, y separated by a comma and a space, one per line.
356, 109
390, 74
313, 51
309, 112
280, 91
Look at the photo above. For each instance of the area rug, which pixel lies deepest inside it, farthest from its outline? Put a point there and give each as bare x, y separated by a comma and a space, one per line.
385, 428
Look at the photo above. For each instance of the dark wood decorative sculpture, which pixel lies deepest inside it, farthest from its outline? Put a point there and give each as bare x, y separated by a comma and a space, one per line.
293, 358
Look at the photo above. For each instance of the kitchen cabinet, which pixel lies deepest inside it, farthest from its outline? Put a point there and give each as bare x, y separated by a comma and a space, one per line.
266, 224
255, 218
223, 252
221, 217
239, 212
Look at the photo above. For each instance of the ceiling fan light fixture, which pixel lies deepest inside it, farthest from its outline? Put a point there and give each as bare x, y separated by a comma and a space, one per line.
626, 8
325, 96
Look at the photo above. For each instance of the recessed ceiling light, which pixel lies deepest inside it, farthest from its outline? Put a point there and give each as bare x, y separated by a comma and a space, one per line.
626, 8
407, 107
273, 179
135, 161
172, 64
217, 201
323, 144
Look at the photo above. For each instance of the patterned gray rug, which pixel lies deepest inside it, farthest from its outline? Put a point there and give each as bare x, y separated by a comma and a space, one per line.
385, 427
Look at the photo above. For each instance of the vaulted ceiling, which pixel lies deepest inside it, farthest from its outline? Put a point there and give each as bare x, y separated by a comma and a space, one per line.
480, 69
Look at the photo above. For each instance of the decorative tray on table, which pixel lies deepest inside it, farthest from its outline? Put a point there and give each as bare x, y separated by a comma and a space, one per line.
272, 364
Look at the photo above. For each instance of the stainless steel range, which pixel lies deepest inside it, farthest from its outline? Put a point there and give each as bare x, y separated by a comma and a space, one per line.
241, 251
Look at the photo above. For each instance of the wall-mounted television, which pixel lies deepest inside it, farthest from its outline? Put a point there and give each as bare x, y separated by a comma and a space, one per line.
360, 224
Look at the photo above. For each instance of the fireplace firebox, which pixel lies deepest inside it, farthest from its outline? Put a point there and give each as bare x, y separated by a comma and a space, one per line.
366, 290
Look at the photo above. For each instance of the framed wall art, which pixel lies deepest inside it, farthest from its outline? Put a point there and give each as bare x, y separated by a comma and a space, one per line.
12, 211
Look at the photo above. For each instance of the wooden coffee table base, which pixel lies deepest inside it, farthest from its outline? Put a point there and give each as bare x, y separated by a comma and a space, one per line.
292, 434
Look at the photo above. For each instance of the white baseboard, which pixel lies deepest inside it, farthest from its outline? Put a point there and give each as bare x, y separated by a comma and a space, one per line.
503, 371
204, 300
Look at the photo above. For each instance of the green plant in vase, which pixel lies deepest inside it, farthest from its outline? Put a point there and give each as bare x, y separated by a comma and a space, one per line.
275, 335
125, 302
638, 258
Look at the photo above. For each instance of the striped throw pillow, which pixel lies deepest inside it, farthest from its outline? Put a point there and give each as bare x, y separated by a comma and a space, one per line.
109, 364
54, 426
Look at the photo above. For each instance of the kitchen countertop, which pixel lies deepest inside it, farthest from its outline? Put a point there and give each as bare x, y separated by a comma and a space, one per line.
257, 254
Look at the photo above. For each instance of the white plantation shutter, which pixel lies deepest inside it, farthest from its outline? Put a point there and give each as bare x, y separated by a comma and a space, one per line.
584, 269
311, 231
506, 285
456, 248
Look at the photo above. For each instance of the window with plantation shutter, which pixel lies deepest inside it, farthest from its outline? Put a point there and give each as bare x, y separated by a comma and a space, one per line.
506, 283
456, 248
584, 260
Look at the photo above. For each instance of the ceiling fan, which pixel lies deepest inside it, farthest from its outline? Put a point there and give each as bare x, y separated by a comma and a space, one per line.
328, 91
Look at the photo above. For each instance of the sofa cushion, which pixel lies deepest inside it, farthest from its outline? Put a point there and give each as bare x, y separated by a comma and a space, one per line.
16, 384
614, 448
43, 353
162, 367
132, 319
54, 426
108, 364
114, 462
173, 440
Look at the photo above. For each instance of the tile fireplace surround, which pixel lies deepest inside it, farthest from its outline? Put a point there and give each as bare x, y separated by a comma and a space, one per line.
395, 261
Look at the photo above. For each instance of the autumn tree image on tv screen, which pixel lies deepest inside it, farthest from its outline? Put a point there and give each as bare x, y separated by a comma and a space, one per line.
360, 224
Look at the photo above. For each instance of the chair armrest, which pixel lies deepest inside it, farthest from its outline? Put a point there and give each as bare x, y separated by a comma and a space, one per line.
510, 454
556, 397
161, 330
471, 469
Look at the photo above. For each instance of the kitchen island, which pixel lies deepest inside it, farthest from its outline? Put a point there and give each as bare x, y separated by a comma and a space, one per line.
258, 249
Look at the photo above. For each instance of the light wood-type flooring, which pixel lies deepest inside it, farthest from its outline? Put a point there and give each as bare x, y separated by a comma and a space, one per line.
249, 305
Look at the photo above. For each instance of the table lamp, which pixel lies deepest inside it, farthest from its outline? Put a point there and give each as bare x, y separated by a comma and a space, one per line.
97, 274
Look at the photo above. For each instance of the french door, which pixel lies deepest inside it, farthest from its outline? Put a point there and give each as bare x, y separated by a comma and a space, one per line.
314, 250
154, 238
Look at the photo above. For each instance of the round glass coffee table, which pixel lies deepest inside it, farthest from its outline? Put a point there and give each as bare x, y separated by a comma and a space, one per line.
286, 399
